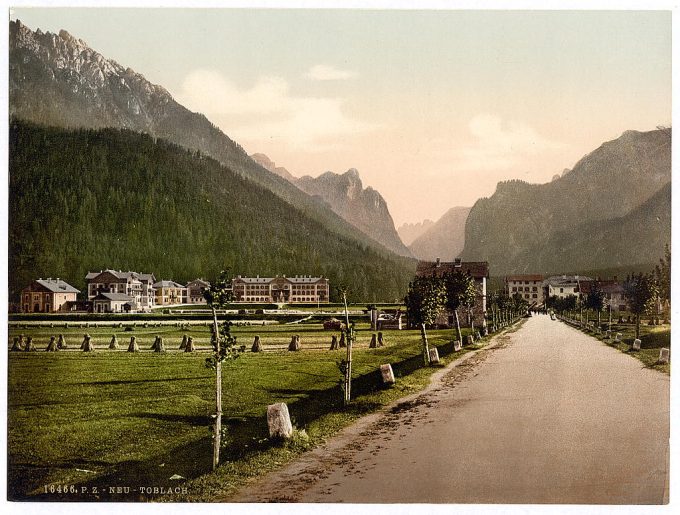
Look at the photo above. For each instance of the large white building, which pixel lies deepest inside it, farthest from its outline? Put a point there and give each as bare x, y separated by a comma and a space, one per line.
562, 286
137, 287
288, 290
529, 286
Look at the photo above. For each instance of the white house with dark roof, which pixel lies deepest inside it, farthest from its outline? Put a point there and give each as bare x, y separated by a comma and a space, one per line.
47, 296
113, 303
562, 286
281, 289
139, 287
169, 292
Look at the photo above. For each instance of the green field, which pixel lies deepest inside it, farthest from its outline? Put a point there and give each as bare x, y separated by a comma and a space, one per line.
112, 418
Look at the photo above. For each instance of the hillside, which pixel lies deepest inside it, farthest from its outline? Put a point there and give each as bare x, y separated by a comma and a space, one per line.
364, 208
445, 239
517, 228
57, 80
85, 200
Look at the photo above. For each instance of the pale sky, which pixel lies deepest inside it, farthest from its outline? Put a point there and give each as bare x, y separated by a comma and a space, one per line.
432, 107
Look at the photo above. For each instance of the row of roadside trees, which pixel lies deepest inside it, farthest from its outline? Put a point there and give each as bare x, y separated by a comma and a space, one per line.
646, 294
429, 297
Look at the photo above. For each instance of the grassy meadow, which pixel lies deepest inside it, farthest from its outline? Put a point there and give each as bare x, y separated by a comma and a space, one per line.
110, 418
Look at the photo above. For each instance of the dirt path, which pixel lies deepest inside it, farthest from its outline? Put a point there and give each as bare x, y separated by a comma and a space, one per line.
549, 416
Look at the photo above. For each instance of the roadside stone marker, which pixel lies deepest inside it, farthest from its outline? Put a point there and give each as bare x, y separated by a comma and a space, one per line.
636, 344
457, 346
469, 340
278, 421
434, 355
664, 356
387, 374
618, 337
608, 335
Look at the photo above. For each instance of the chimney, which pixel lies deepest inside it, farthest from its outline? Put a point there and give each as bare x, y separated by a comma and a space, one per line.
457, 263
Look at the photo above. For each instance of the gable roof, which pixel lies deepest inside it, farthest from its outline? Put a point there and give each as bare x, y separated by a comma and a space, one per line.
53, 285
524, 277
168, 284
115, 297
477, 269
200, 282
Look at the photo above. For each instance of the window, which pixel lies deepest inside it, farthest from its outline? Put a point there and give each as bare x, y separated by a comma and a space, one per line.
514, 288
535, 295
561, 290
535, 288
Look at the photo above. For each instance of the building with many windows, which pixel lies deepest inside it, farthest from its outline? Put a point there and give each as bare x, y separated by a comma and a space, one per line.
169, 293
138, 287
281, 289
562, 286
529, 286
195, 290
47, 296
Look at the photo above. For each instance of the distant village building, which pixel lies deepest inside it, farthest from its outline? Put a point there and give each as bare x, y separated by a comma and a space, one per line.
47, 296
137, 286
170, 292
113, 303
288, 290
528, 286
562, 286
613, 293
195, 290
478, 270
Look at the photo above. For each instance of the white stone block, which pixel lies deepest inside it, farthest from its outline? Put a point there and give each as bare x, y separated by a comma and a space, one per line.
278, 420
618, 337
664, 356
434, 355
636, 344
387, 374
457, 346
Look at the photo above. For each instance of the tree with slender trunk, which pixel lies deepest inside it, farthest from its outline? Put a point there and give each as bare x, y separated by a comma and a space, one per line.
595, 300
218, 295
460, 291
425, 300
641, 291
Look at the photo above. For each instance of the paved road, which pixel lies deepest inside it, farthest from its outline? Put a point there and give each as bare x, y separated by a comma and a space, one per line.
549, 416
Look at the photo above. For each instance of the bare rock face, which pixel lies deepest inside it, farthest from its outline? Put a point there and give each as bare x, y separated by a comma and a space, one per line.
278, 420
365, 209
387, 374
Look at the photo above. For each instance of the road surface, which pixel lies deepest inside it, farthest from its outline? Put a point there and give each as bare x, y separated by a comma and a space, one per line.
548, 416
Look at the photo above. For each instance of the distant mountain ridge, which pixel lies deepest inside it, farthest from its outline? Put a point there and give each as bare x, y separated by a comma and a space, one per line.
408, 232
364, 208
522, 227
57, 80
445, 239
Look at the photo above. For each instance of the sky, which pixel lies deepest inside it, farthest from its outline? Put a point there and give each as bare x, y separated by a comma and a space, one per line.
433, 107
